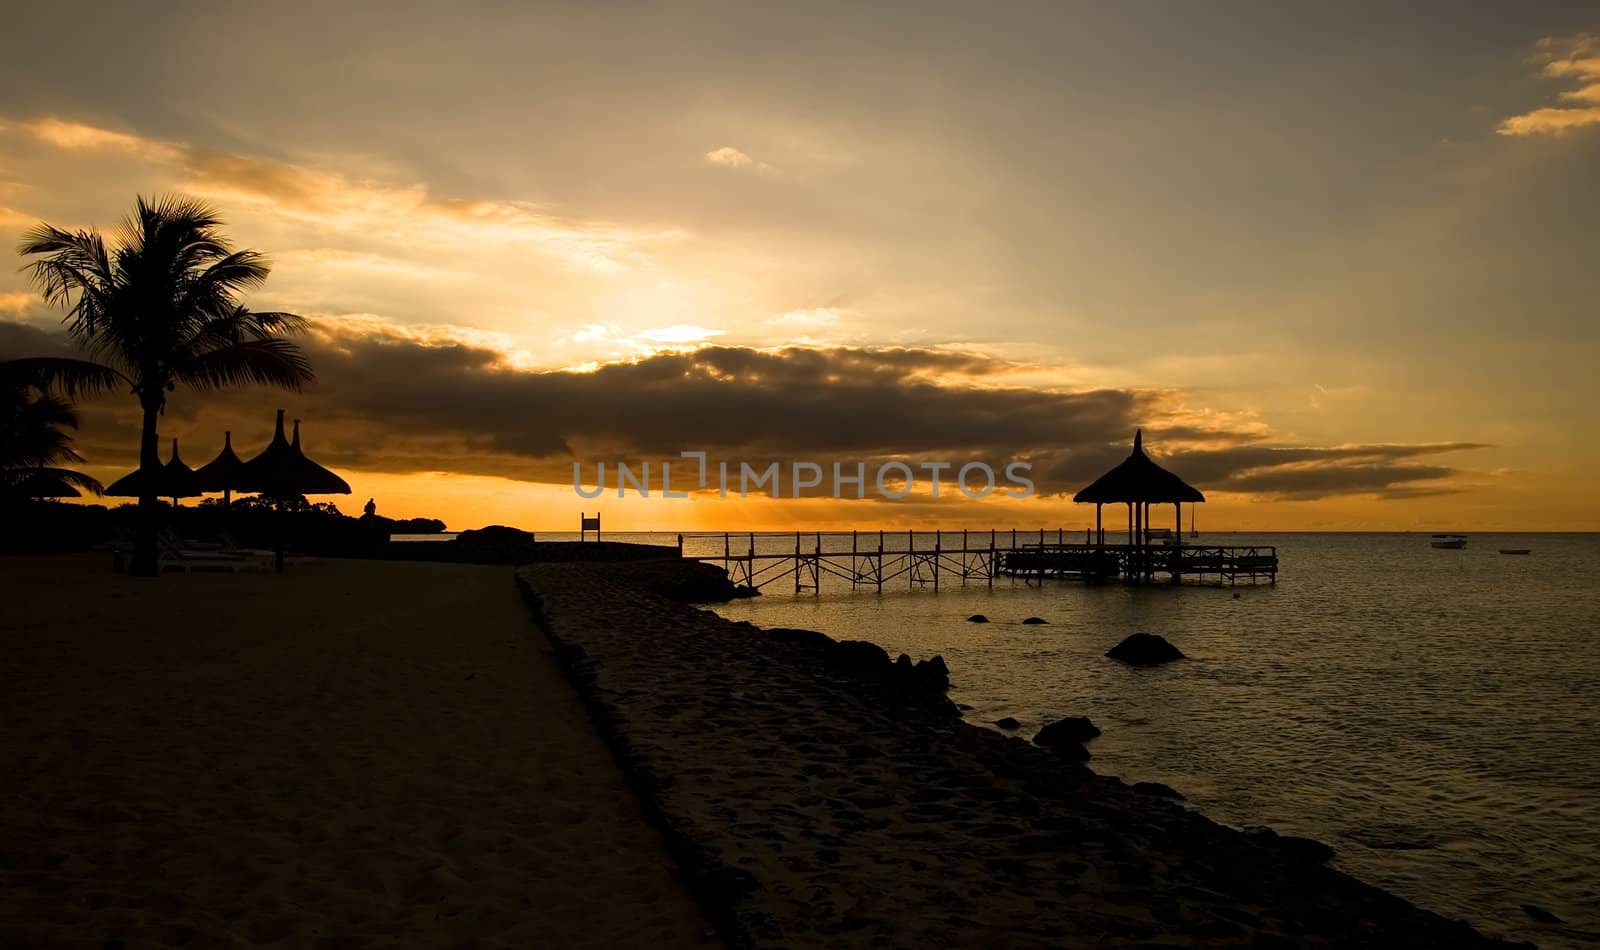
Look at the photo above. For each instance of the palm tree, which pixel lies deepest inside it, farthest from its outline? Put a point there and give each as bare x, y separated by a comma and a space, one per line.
34, 442
158, 309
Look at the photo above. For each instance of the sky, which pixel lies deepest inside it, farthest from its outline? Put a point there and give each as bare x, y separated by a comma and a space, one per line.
1338, 261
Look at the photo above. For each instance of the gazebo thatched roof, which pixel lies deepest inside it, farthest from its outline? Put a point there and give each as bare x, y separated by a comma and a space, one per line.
223, 472
172, 480
1137, 479
282, 470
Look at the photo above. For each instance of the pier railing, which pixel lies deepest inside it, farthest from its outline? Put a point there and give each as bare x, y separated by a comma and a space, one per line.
872, 560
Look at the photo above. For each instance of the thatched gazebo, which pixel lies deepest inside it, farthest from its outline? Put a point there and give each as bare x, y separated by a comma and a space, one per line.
221, 473
173, 480
1138, 483
282, 471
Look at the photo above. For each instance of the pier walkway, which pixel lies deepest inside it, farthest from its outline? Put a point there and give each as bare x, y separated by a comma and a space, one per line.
871, 560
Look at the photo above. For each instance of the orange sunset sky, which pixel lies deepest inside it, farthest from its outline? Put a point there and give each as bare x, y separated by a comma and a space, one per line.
1341, 264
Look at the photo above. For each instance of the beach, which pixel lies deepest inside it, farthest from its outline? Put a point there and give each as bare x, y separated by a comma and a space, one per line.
413, 754
809, 809
352, 754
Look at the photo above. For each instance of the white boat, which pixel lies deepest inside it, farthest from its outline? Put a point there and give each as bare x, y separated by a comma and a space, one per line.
1451, 541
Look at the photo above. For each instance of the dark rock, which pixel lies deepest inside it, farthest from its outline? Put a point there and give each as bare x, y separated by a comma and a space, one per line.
1008, 722
1540, 914
859, 657
1070, 751
1065, 738
977, 618
1158, 790
1145, 649
1067, 729
681, 579
1309, 850
1305, 849
1035, 620
494, 534
932, 675
810, 639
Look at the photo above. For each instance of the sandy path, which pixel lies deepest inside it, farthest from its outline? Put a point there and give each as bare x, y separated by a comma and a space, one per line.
811, 816
353, 754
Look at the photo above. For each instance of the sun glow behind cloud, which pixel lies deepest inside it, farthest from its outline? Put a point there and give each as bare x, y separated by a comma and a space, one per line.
1189, 267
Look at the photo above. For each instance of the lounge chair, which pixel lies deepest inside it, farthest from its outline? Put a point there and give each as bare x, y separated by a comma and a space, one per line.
174, 556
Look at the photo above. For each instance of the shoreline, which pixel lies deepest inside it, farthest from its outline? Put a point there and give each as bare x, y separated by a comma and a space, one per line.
806, 809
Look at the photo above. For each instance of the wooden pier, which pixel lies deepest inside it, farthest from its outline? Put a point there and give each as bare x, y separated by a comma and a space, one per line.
875, 559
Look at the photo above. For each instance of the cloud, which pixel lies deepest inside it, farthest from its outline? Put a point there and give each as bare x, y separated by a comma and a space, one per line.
405, 214
730, 157
399, 399
77, 137
1572, 58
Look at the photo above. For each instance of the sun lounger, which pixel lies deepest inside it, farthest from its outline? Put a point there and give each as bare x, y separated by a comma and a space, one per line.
176, 557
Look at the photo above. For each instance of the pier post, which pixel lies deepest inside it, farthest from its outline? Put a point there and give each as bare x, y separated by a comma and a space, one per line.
911, 557
966, 566
992, 566
855, 562
880, 560
938, 541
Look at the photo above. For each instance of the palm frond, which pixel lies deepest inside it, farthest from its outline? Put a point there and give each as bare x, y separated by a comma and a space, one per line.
272, 362
71, 377
47, 482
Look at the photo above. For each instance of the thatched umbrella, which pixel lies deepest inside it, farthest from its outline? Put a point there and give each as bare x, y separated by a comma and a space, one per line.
1138, 482
173, 480
283, 471
222, 473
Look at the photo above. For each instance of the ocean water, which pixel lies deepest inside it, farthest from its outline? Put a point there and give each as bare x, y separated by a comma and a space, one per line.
1432, 714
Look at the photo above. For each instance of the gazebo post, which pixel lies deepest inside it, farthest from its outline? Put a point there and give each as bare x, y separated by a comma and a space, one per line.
1099, 531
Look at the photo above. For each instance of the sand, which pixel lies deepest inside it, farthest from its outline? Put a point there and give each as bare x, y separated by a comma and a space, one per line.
807, 812
353, 754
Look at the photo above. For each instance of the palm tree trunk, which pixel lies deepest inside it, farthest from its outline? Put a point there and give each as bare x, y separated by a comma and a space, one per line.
145, 561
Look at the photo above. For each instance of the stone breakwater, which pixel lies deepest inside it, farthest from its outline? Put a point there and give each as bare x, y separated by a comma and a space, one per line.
809, 806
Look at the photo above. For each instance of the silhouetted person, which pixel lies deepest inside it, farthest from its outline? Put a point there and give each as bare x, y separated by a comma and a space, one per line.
371, 509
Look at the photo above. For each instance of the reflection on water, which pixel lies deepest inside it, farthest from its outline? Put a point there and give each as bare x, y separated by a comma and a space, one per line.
1430, 713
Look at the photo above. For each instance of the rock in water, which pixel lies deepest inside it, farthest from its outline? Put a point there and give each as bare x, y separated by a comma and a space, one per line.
1540, 914
1157, 789
1009, 722
977, 618
1068, 729
1309, 850
1145, 649
810, 639
1035, 620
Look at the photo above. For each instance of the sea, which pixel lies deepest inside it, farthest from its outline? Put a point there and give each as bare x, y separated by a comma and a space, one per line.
1434, 715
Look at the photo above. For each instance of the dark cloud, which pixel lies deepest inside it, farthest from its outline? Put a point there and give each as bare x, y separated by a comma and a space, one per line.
385, 401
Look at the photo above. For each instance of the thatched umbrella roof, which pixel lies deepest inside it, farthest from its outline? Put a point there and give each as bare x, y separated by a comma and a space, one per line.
172, 480
223, 472
1137, 479
282, 470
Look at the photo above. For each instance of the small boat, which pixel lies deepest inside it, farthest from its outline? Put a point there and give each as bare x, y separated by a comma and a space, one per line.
1452, 541
1515, 551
